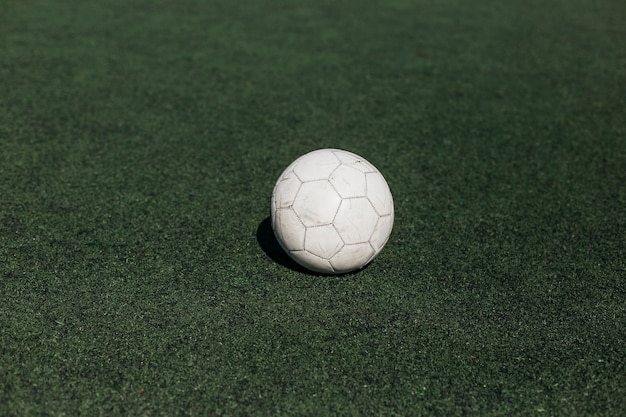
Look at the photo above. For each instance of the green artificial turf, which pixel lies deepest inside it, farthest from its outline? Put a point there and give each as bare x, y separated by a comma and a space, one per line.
139, 144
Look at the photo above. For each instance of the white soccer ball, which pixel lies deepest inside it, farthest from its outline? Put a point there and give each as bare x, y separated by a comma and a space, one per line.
332, 211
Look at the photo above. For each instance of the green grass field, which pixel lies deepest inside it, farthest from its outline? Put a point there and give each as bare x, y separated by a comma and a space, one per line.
139, 145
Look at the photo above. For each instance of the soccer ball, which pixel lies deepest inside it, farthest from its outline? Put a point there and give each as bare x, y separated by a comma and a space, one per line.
331, 211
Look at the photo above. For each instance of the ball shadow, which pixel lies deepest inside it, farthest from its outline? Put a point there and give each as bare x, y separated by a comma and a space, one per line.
268, 242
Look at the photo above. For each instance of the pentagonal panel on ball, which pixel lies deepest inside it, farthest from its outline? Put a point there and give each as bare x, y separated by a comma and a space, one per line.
348, 181
312, 262
352, 257
316, 165
355, 220
285, 190
355, 161
379, 194
288, 229
322, 241
316, 203
381, 232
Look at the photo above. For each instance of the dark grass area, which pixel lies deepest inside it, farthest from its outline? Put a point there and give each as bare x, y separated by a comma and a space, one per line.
139, 144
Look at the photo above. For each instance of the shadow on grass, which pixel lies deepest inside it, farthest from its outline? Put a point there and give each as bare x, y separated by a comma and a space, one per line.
268, 242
